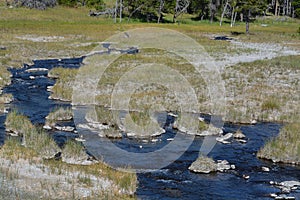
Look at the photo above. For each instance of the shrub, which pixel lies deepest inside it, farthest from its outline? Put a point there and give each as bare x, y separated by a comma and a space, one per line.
38, 4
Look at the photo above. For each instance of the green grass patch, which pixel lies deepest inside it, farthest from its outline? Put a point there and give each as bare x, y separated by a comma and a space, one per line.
59, 114
63, 88
284, 148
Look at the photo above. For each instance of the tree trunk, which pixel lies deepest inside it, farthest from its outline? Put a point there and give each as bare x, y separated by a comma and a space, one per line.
223, 13
121, 9
276, 7
161, 6
116, 10
232, 17
212, 12
235, 14
247, 22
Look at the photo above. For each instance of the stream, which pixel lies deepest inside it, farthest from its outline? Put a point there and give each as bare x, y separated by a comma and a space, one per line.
174, 181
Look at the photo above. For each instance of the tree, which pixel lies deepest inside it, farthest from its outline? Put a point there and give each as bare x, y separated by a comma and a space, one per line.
251, 8
296, 8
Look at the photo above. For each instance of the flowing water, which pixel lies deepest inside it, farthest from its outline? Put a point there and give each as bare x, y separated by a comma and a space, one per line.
174, 181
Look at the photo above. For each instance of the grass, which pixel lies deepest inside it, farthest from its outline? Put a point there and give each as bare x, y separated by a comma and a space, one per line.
59, 114
264, 90
36, 147
74, 151
17, 123
285, 147
63, 88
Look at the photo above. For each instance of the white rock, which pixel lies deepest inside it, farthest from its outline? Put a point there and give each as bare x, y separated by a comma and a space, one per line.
37, 70
172, 114
242, 141
265, 169
201, 119
223, 139
273, 195
290, 183
31, 77
170, 139
47, 127
65, 128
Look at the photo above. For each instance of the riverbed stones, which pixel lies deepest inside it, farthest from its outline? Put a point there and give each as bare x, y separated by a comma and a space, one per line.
203, 165
207, 165
65, 128
224, 138
32, 70
239, 135
265, 169
286, 187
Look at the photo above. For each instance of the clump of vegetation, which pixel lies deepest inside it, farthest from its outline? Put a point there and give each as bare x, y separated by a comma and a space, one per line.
41, 142
18, 124
6, 98
285, 147
74, 153
59, 114
38, 4
63, 87
270, 104
32, 137
4, 77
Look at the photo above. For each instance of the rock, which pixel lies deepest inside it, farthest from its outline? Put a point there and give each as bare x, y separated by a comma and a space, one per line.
136, 135
3, 48
112, 133
203, 165
283, 196
65, 128
211, 131
201, 119
36, 70
273, 195
47, 127
32, 77
80, 139
154, 140
239, 135
172, 114
170, 139
265, 169
223, 165
49, 88
223, 139
290, 183
208, 165
286, 186
242, 141
246, 177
